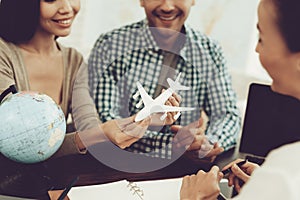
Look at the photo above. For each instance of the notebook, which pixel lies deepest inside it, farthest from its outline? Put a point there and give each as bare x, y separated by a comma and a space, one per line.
143, 190
271, 120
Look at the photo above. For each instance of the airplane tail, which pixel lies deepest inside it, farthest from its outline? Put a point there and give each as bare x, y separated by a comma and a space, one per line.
175, 85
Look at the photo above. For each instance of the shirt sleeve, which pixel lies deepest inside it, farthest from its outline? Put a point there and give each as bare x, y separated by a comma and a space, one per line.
224, 122
277, 178
268, 184
6, 72
68, 147
83, 108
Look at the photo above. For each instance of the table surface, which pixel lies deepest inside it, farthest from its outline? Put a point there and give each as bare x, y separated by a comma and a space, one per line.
34, 180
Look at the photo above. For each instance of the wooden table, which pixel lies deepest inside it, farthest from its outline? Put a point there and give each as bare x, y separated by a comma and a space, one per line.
35, 180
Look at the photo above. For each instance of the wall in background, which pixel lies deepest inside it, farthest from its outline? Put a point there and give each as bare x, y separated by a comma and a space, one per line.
231, 22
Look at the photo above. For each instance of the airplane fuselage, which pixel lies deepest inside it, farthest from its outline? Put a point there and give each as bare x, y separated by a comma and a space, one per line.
157, 105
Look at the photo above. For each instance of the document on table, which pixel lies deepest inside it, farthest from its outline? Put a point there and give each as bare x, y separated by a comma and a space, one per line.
124, 190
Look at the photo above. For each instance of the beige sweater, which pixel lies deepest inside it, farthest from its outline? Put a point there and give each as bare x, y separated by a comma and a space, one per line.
13, 71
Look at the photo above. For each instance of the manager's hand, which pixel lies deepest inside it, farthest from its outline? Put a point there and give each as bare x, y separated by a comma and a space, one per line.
201, 186
239, 174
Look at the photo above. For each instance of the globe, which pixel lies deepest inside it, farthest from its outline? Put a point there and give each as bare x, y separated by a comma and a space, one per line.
32, 127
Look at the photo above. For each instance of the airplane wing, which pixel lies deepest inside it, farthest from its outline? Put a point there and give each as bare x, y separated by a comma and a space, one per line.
164, 108
145, 97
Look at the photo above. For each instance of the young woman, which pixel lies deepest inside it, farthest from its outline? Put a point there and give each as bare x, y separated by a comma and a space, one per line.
279, 52
32, 59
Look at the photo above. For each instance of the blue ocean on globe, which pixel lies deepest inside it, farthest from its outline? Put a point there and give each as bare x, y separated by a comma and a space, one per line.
32, 127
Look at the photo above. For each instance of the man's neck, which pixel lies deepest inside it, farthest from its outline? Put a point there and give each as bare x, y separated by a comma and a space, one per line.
169, 40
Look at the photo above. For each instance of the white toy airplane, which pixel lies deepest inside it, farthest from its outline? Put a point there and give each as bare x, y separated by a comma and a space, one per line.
157, 105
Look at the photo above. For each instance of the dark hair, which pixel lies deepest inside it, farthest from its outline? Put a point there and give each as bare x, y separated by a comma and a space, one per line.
288, 13
18, 19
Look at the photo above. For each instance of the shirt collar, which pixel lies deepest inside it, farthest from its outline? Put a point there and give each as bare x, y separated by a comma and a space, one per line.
151, 43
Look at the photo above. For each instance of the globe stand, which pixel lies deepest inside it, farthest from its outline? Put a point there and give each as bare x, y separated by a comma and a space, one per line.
20, 179
24, 180
11, 89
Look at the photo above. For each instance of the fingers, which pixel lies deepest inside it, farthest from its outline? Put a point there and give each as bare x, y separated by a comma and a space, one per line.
215, 152
233, 162
212, 180
237, 185
175, 128
231, 178
183, 139
239, 173
177, 97
194, 124
145, 122
215, 171
197, 143
170, 115
173, 101
124, 122
137, 130
200, 122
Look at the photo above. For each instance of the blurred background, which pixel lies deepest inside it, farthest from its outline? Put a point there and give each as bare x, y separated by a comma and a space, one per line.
231, 22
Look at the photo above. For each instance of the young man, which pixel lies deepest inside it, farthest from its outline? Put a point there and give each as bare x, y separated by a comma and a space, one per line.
152, 50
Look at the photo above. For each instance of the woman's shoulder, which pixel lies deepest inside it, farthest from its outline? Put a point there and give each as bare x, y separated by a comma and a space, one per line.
71, 52
8, 51
71, 56
5, 47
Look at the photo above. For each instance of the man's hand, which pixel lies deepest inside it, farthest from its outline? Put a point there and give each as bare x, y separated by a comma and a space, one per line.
239, 174
201, 186
173, 100
192, 138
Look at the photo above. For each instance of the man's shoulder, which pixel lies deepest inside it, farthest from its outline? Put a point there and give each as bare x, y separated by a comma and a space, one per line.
123, 31
201, 38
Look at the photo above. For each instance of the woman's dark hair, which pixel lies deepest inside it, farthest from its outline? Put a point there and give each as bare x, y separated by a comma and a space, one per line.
18, 19
288, 13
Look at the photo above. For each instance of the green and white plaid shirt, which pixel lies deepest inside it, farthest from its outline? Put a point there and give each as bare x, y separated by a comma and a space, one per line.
124, 56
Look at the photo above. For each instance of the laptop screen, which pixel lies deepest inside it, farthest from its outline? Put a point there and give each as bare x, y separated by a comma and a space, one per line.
271, 120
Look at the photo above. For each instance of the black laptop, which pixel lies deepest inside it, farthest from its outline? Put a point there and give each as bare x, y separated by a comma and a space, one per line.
271, 120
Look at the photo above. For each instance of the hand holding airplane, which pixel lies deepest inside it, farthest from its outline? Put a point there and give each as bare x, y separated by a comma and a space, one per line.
157, 105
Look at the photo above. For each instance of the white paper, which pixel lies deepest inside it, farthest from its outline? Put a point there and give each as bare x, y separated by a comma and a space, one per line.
152, 190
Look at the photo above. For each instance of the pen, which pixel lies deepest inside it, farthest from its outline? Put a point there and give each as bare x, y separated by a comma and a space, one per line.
68, 188
226, 171
221, 197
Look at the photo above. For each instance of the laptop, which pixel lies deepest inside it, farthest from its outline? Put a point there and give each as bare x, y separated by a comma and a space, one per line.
271, 120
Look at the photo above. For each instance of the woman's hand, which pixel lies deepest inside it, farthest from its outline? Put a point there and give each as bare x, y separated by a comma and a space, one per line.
201, 186
55, 194
239, 174
124, 132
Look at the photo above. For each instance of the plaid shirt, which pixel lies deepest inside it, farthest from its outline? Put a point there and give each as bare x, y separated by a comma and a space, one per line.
124, 56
